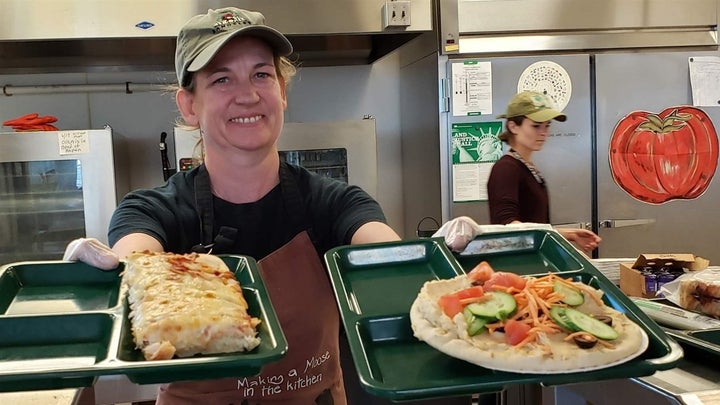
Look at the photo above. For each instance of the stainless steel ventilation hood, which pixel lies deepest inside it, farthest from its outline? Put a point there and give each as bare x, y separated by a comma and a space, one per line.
493, 27
112, 35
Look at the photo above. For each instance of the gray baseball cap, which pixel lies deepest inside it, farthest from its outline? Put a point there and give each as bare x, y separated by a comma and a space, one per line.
203, 36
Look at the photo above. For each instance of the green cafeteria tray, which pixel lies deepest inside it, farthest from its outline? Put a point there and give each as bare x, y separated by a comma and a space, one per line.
698, 343
63, 324
703, 343
376, 284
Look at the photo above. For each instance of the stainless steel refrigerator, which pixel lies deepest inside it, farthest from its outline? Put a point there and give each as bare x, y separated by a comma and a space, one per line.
612, 70
565, 158
651, 81
575, 161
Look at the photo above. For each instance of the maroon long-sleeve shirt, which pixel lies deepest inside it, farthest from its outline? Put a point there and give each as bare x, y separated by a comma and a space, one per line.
515, 195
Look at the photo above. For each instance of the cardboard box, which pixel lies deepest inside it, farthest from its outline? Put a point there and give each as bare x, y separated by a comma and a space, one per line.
632, 282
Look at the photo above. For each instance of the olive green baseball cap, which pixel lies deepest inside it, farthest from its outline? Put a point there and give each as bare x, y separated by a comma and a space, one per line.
536, 106
203, 36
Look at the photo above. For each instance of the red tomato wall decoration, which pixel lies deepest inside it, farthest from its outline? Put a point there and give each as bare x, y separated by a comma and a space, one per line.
661, 157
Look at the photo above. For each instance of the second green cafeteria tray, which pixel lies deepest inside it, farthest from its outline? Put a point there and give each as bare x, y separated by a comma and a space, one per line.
63, 324
376, 284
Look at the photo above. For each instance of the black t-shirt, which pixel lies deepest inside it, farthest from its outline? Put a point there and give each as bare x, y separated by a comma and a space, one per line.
332, 209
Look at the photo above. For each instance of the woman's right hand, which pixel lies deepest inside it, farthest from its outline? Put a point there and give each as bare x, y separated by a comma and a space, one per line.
458, 232
585, 239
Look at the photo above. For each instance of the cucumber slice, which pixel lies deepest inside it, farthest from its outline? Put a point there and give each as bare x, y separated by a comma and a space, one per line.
571, 296
581, 321
557, 313
469, 316
476, 325
500, 306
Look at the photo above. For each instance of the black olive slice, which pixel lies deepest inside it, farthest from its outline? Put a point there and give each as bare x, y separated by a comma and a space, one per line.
604, 319
585, 340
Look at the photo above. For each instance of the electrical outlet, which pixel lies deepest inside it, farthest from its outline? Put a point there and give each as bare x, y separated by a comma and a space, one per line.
396, 14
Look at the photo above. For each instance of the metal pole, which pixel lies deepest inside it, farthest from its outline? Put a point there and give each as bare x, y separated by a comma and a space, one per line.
127, 87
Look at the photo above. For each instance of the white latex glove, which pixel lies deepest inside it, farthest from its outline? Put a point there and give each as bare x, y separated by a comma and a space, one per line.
458, 232
93, 252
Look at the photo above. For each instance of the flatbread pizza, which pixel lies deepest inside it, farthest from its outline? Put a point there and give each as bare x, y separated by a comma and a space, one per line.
506, 322
182, 305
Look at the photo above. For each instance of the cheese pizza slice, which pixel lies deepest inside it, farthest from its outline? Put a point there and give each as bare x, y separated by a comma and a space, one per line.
182, 305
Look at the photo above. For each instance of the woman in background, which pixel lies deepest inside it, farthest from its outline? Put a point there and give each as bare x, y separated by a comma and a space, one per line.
517, 192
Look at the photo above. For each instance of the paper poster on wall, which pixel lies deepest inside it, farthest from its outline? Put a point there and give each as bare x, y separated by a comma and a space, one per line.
471, 88
705, 80
548, 78
475, 148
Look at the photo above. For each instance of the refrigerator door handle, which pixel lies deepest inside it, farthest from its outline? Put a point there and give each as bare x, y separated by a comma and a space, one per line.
621, 223
575, 225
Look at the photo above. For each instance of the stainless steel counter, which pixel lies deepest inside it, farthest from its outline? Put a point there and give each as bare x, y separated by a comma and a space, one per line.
111, 389
691, 383
50, 397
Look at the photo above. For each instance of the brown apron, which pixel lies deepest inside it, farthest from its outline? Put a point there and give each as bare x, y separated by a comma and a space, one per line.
310, 371
302, 297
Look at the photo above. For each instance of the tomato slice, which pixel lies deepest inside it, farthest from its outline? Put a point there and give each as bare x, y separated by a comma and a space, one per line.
472, 292
452, 304
515, 331
504, 280
481, 273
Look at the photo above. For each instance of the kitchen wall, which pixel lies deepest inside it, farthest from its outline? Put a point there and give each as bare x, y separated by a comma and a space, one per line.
317, 94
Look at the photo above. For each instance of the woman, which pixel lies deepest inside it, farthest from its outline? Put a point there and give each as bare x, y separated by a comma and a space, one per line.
233, 76
517, 192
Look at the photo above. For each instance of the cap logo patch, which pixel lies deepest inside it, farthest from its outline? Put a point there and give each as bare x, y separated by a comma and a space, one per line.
229, 21
540, 102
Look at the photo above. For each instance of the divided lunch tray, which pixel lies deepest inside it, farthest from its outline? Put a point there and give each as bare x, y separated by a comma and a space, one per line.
698, 342
376, 284
62, 324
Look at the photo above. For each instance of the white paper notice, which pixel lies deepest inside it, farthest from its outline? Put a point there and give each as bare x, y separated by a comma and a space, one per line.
73, 142
705, 80
470, 181
471, 88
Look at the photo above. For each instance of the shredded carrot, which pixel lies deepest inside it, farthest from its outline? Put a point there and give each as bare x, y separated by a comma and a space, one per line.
492, 327
605, 343
531, 337
580, 286
534, 302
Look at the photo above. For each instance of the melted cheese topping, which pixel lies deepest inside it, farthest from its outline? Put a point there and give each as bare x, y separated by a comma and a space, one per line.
186, 304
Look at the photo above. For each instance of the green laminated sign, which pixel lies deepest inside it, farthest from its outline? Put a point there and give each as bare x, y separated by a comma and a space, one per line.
476, 142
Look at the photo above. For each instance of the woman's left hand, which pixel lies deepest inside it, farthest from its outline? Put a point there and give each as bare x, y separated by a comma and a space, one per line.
585, 239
